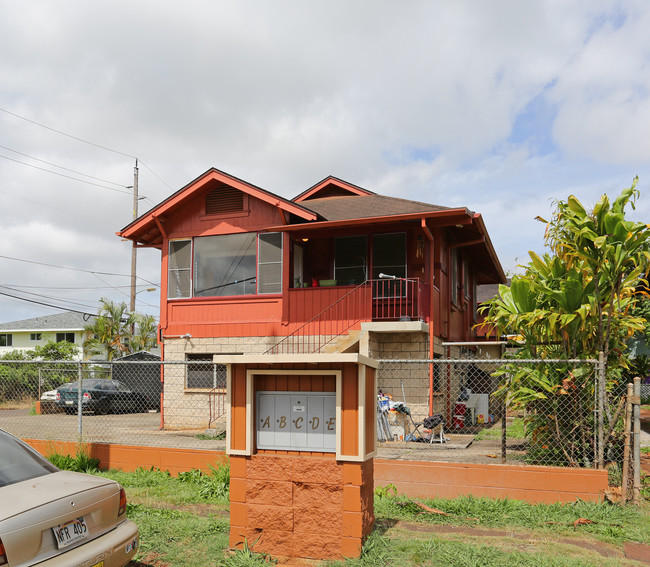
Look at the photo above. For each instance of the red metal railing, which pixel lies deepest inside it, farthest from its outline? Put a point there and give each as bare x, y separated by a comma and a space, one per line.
385, 299
217, 403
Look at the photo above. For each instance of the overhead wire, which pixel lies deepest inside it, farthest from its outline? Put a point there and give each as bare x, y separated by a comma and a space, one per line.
77, 138
42, 296
94, 272
46, 304
61, 167
67, 135
67, 176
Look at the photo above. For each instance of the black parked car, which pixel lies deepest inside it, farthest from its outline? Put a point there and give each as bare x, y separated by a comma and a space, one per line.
101, 395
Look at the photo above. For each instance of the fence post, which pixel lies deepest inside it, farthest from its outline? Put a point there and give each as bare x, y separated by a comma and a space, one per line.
600, 454
504, 414
79, 400
636, 439
626, 447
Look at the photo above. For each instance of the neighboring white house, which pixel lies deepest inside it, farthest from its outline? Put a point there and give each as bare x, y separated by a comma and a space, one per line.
30, 333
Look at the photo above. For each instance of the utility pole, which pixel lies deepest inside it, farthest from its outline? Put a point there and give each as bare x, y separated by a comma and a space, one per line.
134, 250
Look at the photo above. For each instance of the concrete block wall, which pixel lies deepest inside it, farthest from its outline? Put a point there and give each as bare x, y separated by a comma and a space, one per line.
190, 409
300, 506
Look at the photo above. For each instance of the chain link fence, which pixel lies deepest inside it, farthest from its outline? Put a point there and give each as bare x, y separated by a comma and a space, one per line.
116, 402
534, 412
516, 411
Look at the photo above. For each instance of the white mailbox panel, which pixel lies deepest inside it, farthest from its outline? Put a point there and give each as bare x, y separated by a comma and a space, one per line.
296, 421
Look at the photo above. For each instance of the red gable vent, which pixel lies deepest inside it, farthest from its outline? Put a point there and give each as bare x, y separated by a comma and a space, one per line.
224, 200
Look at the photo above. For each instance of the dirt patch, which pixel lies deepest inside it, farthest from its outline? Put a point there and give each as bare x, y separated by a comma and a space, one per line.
524, 541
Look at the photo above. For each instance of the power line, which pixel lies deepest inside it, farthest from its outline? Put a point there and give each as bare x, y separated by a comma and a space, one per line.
82, 304
21, 286
66, 176
89, 143
47, 304
68, 135
61, 167
75, 269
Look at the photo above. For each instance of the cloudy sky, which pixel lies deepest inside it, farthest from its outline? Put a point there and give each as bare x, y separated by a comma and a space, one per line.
500, 106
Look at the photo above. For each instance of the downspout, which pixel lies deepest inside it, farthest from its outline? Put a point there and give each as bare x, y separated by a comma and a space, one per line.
432, 272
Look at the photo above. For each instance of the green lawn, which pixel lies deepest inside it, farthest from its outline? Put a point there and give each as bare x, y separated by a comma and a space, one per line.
184, 522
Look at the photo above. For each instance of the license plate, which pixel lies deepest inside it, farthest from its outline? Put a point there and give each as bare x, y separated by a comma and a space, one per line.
69, 402
131, 546
70, 532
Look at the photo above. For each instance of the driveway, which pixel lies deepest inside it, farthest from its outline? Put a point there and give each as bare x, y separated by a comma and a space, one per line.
142, 429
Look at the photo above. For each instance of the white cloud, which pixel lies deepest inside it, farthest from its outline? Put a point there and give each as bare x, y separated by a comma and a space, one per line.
415, 99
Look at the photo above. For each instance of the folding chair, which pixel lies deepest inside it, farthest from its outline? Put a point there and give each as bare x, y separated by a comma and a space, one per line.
433, 423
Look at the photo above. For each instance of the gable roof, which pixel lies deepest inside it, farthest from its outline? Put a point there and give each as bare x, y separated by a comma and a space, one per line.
331, 187
68, 321
330, 204
148, 230
341, 208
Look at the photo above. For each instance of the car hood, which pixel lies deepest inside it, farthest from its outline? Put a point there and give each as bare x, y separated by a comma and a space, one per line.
23, 496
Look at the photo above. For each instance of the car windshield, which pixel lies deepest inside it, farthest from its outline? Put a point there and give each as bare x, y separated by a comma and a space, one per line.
19, 462
88, 383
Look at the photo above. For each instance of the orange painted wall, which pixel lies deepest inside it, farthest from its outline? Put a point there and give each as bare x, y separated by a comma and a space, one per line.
301, 505
417, 479
130, 457
531, 484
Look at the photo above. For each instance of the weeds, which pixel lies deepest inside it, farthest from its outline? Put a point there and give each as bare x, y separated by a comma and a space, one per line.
81, 462
212, 486
246, 557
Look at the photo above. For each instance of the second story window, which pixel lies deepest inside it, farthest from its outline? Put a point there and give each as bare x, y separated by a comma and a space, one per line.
179, 271
350, 260
225, 265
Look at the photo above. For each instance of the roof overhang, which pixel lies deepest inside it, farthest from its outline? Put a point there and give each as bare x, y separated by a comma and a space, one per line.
456, 218
148, 230
306, 359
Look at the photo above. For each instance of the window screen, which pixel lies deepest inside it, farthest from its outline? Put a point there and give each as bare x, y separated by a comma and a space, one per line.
270, 263
179, 269
203, 374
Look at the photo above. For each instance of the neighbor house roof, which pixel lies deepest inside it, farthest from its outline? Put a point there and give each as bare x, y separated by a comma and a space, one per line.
68, 321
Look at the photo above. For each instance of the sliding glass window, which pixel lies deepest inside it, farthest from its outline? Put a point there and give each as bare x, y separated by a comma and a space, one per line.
225, 265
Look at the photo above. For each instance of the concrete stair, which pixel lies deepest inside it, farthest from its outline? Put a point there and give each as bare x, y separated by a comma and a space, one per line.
344, 343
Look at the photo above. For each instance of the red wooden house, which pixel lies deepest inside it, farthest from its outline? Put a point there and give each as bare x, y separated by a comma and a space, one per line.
336, 271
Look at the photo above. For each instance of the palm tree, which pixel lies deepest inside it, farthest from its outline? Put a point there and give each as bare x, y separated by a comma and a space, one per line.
110, 334
144, 336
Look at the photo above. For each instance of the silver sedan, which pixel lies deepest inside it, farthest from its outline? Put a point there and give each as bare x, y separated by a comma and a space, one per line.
57, 518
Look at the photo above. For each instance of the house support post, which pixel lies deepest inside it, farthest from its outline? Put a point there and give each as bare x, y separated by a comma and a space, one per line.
429, 236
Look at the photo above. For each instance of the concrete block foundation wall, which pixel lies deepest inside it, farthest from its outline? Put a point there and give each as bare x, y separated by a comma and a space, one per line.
301, 506
416, 479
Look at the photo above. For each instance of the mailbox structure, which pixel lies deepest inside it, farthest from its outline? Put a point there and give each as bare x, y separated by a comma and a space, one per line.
301, 437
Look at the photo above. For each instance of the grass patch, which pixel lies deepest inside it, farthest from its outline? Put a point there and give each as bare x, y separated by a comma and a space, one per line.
514, 430
612, 524
152, 486
183, 521
210, 437
179, 537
